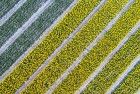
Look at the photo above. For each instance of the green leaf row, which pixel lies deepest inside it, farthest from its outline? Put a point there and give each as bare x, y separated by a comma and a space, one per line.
6, 5
37, 56
131, 83
116, 66
18, 19
99, 52
67, 55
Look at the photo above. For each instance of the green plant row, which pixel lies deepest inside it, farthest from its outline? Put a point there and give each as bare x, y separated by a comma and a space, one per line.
37, 56
132, 82
18, 19
30, 35
6, 5
67, 55
116, 66
98, 53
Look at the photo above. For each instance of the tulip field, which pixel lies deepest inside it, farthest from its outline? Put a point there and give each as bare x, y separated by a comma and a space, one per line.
69, 46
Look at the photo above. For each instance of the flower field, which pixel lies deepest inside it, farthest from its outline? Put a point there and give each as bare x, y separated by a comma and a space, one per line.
69, 46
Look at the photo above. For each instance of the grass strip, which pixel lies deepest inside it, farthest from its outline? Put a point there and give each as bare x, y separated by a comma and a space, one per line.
132, 82
98, 53
116, 66
18, 19
37, 57
66, 57
32, 34
6, 5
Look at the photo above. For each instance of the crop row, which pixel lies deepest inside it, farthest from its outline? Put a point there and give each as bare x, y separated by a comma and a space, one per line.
67, 55
32, 34
131, 83
18, 19
116, 66
98, 53
6, 5
37, 57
